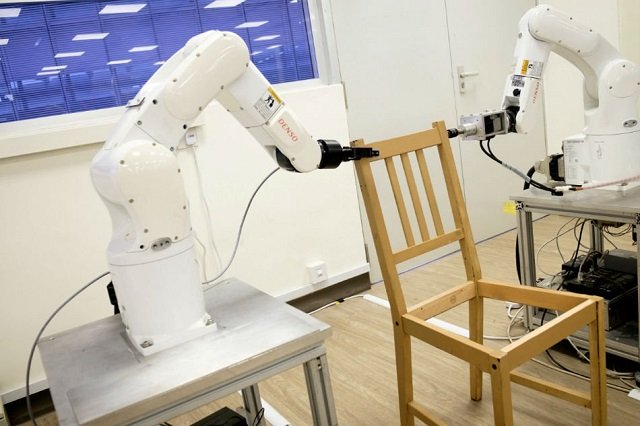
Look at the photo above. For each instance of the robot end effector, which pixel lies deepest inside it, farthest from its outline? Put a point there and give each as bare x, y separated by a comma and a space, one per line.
332, 155
485, 125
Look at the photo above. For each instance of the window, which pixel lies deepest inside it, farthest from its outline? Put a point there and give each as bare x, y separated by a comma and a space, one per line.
72, 56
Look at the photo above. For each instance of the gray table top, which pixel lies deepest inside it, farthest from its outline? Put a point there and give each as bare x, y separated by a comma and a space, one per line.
599, 201
96, 376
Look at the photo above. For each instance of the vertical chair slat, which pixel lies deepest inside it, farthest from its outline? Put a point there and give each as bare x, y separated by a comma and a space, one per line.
402, 208
431, 195
415, 198
458, 207
380, 235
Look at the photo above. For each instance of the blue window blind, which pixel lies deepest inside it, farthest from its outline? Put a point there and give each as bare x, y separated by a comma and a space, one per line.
72, 56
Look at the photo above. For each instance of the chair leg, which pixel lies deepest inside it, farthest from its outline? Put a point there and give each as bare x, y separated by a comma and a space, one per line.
476, 330
597, 358
501, 392
405, 375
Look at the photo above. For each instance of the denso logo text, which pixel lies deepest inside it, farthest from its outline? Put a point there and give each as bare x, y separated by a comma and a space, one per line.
287, 129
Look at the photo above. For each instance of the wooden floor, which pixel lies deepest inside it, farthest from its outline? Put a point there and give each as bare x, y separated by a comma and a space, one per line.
361, 360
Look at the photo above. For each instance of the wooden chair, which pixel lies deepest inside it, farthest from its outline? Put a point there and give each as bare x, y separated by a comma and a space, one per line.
576, 310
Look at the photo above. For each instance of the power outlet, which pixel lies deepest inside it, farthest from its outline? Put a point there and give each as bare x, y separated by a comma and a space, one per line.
317, 272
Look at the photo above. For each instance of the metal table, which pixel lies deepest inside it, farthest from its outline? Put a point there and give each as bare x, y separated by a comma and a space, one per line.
96, 377
598, 205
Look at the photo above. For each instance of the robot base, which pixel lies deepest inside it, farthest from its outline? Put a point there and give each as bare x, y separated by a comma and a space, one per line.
148, 345
160, 297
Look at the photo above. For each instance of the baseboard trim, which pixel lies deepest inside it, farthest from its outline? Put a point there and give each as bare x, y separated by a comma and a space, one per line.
333, 280
21, 392
341, 290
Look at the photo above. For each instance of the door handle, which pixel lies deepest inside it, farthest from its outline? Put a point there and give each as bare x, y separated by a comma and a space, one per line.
462, 75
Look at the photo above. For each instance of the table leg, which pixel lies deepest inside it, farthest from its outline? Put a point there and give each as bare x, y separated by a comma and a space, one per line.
596, 241
323, 409
527, 256
252, 404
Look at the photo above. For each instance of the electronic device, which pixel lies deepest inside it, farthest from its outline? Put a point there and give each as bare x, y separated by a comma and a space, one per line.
223, 417
612, 277
484, 125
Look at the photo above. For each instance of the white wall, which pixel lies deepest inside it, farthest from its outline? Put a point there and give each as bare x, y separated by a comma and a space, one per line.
629, 30
55, 228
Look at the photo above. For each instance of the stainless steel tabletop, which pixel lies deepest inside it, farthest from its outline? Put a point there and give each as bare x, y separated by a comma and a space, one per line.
608, 203
96, 376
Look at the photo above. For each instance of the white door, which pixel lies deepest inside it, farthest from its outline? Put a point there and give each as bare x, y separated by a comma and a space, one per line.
394, 62
398, 64
483, 36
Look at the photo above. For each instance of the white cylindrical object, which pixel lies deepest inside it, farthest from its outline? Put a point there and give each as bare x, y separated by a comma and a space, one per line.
161, 302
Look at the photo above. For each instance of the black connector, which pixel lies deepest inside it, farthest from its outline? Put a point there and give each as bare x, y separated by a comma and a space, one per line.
452, 133
356, 153
113, 298
512, 112
333, 154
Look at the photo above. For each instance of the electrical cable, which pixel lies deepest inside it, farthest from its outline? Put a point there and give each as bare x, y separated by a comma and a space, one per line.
620, 233
578, 351
631, 385
609, 183
510, 306
239, 234
558, 235
527, 184
576, 375
610, 373
489, 153
578, 239
207, 211
335, 302
512, 323
574, 257
610, 242
551, 358
258, 418
35, 342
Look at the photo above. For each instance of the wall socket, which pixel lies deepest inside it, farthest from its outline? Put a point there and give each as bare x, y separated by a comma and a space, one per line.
317, 272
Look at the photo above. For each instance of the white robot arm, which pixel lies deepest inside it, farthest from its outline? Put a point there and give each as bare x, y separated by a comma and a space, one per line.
151, 254
610, 147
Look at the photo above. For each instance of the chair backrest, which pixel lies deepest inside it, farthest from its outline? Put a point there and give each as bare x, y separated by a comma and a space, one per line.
411, 150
